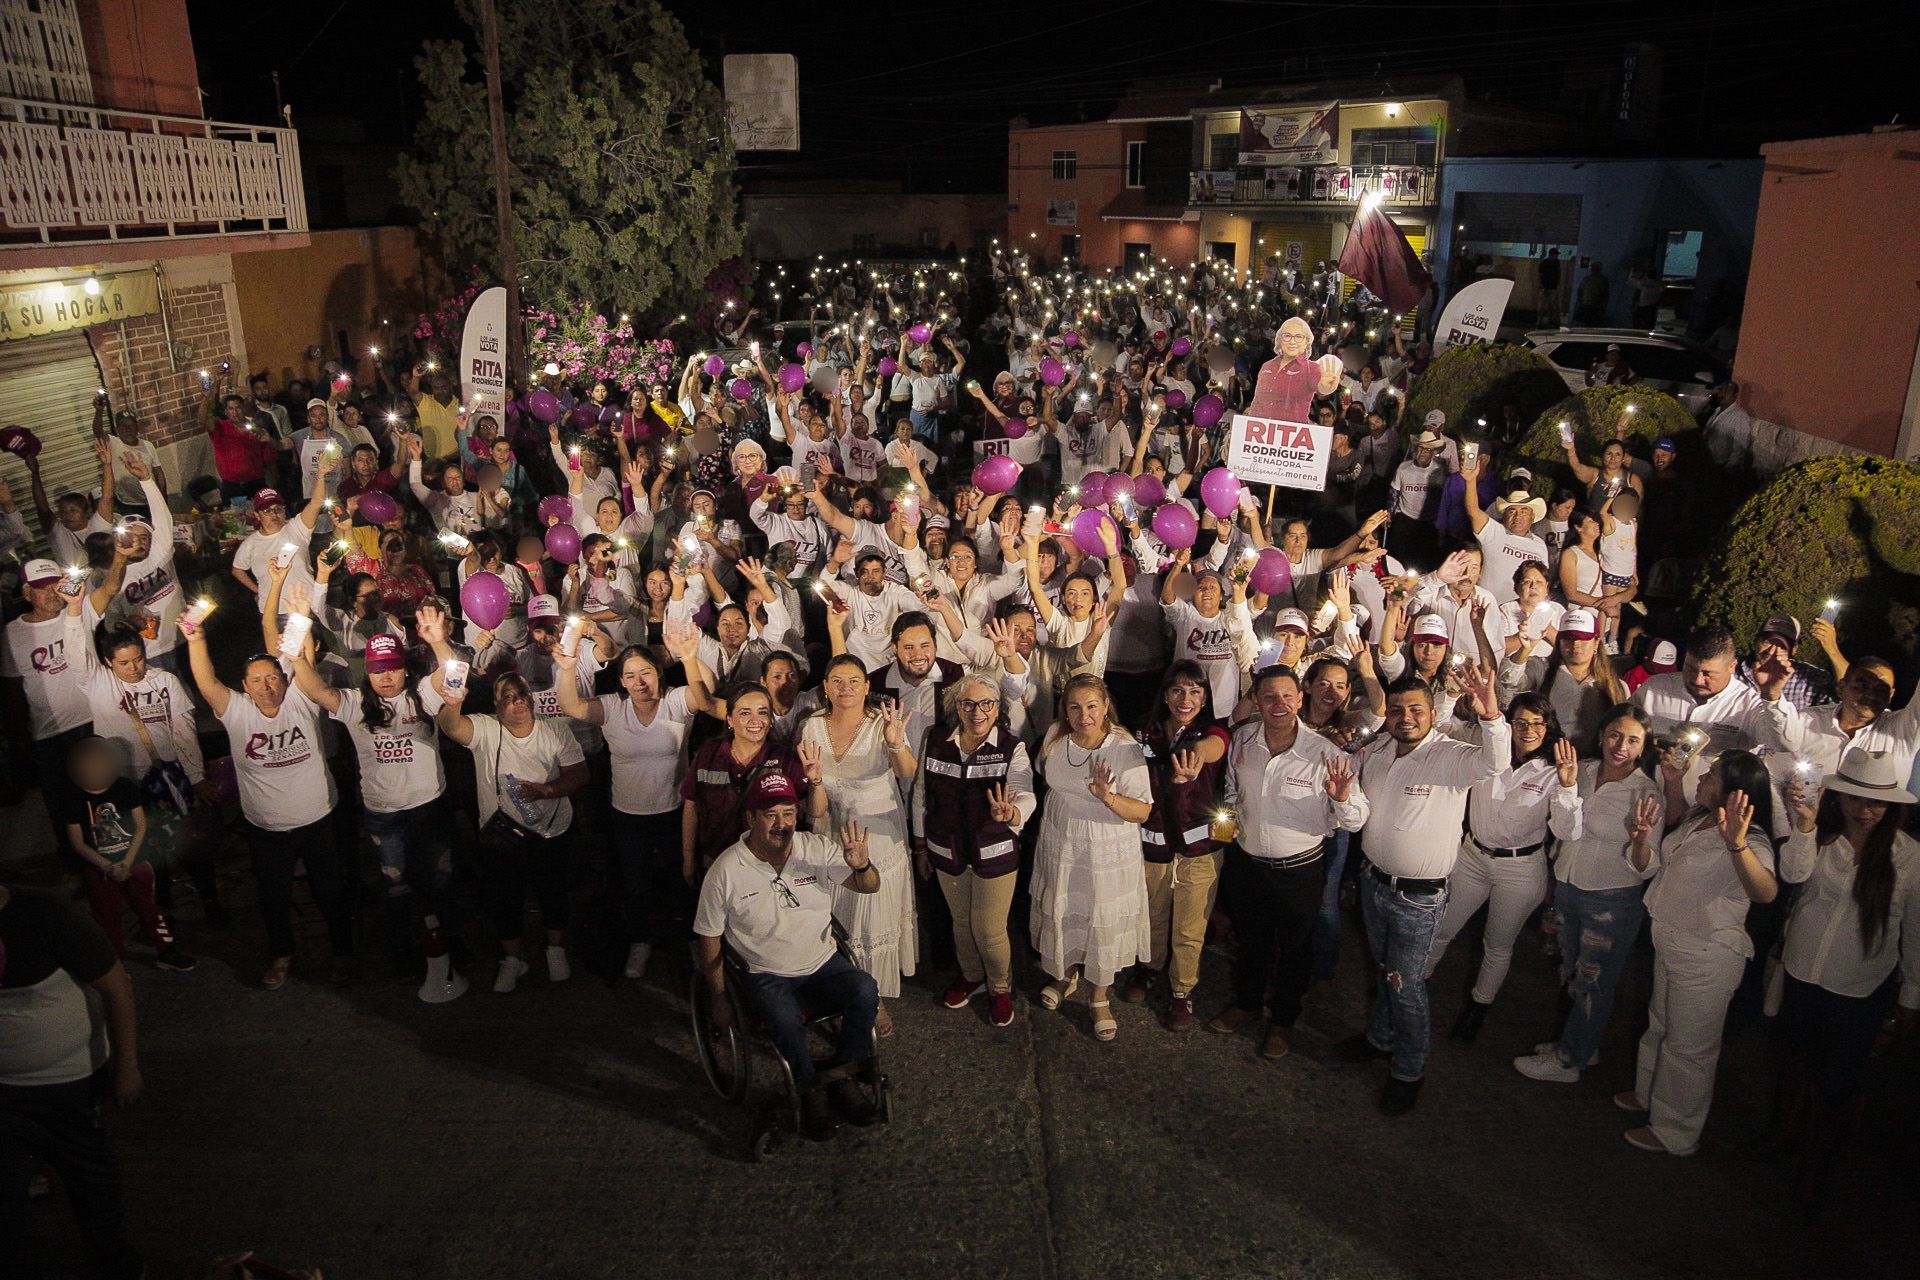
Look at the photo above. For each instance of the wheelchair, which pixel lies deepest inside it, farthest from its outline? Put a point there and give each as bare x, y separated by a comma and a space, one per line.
727, 1058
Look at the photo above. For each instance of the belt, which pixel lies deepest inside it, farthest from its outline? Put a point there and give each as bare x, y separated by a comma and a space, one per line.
1521, 852
1289, 862
1410, 884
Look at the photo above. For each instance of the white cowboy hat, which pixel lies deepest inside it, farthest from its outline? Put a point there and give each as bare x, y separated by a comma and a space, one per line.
1870, 775
1521, 498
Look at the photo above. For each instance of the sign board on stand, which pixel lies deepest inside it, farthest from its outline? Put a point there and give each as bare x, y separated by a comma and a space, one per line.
1473, 315
483, 358
1291, 455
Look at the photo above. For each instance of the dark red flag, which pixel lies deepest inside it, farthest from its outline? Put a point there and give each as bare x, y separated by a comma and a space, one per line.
1378, 256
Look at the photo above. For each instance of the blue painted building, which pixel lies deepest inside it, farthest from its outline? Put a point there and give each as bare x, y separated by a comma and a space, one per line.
1690, 222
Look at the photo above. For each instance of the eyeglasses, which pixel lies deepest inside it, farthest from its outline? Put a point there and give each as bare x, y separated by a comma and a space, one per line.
1526, 723
970, 707
786, 894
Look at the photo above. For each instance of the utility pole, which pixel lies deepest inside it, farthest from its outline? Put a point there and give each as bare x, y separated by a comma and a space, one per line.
502, 200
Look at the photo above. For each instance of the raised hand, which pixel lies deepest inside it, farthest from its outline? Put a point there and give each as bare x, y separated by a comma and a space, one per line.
1566, 762
893, 724
1646, 817
1340, 777
1735, 815
1803, 805
1454, 568
1770, 676
853, 840
1186, 767
1003, 809
682, 640
812, 761
1000, 632
1100, 781
1477, 682
136, 465
430, 621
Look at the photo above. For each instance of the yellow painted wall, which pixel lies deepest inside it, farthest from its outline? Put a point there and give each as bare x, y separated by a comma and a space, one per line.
349, 280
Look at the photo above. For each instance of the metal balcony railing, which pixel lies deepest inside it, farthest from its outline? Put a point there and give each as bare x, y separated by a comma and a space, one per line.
74, 174
1403, 185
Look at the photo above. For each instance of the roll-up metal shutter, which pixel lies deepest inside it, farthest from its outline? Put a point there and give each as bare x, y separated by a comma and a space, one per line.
48, 385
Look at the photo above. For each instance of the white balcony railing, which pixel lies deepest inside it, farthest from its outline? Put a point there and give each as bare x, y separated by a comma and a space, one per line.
96, 175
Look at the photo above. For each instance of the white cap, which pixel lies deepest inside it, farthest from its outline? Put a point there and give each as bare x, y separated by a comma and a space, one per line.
1291, 620
40, 573
1435, 419
1666, 653
542, 607
1431, 626
1582, 624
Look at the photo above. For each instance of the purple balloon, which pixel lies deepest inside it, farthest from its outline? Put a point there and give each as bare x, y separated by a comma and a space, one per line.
888, 366
996, 474
563, 543
1148, 491
1069, 339
804, 350
555, 506
792, 378
920, 332
543, 404
1119, 485
483, 597
1052, 372
1207, 410
715, 366
1093, 489
1015, 428
1176, 399
1093, 531
1220, 490
740, 389
1271, 572
1180, 347
377, 507
1175, 526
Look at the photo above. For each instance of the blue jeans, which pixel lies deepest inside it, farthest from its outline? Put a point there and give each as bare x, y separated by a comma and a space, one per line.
416, 857
1326, 930
926, 427
1400, 931
1597, 931
835, 987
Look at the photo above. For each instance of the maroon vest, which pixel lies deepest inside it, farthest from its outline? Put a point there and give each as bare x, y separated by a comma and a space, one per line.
958, 823
1181, 820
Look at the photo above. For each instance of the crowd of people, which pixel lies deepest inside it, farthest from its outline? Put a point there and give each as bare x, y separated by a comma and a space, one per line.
928, 638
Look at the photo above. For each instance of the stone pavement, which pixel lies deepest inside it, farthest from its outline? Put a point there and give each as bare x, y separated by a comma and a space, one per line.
567, 1132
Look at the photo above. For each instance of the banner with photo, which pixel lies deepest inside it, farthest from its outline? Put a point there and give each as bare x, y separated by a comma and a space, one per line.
1292, 135
1211, 186
1063, 213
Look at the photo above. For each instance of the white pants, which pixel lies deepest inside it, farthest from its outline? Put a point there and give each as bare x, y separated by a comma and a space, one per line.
1511, 888
1693, 983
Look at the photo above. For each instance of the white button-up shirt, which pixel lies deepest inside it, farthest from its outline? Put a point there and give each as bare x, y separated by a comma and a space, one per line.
1598, 858
1824, 945
1433, 596
1695, 888
1726, 718
1815, 735
1281, 801
1519, 805
1418, 800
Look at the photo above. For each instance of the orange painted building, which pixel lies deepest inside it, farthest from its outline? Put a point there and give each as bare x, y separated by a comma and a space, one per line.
1834, 252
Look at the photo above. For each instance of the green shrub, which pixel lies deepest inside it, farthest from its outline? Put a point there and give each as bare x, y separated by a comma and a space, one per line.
1845, 528
1479, 381
1595, 414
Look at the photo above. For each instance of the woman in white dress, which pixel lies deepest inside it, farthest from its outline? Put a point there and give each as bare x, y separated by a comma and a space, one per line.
857, 753
1089, 878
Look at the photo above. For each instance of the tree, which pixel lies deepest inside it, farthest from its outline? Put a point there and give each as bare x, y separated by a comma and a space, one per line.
622, 164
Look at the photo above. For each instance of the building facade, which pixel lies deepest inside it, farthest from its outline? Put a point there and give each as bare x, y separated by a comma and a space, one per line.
121, 211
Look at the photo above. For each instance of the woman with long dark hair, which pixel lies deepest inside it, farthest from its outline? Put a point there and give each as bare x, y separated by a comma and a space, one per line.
1184, 744
1852, 926
1577, 678
1503, 860
1710, 866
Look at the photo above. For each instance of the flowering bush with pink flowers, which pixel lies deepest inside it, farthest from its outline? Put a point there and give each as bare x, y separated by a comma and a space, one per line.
587, 348
438, 333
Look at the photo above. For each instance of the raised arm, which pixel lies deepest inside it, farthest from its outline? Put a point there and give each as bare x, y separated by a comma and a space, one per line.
200, 662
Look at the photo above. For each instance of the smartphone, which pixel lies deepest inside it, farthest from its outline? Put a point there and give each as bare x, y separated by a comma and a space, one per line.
1566, 435
284, 556
72, 584
1469, 453
206, 380
1831, 613
454, 675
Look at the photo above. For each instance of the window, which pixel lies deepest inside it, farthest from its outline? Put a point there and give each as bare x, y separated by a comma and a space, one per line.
1070, 248
1221, 251
1223, 151
1066, 166
1136, 164
866, 242
1681, 261
1414, 145
1136, 254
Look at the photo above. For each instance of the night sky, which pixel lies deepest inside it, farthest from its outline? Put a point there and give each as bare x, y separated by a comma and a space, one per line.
922, 93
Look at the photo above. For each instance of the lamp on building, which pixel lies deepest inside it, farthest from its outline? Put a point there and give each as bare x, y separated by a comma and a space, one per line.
1393, 111
92, 286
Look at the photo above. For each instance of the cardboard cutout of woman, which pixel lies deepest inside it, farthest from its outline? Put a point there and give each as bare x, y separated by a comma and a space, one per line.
1288, 383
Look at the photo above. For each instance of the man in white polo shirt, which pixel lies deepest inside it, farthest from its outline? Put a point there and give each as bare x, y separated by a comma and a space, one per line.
1510, 541
1416, 782
1703, 696
770, 896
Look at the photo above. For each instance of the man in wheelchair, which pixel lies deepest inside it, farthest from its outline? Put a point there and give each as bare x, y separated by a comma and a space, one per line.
769, 896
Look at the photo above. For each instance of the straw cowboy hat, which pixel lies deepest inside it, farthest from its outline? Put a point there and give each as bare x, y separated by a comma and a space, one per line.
1521, 498
1870, 775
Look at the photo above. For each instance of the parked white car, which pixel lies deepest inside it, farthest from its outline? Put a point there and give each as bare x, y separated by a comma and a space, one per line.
1684, 369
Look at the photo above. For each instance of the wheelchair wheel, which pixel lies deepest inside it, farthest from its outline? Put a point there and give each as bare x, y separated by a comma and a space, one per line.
724, 1056
885, 1089
765, 1143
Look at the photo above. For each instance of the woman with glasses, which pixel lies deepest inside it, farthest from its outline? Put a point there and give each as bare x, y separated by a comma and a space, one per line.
855, 754
975, 795
1503, 860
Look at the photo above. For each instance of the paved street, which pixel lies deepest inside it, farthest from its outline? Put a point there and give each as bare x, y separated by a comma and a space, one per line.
567, 1132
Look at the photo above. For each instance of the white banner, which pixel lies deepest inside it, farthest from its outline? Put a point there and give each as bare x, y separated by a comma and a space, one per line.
1293, 455
1472, 315
763, 100
483, 357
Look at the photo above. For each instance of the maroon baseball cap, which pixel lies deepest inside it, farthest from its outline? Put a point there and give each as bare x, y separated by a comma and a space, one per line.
770, 789
264, 498
385, 654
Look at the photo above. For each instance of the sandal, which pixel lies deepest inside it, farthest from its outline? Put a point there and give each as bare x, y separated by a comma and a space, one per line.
883, 1022
1104, 1027
275, 976
1054, 993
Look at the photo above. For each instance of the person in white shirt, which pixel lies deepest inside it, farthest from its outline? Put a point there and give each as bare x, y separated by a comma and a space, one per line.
1415, 502
287, 796
1416, 781
1511, 542
1702, 704
150, 595
1531, 618
867, 613
1854, 923
769, 897
1503, 861
1475, 626
128, 488
1204, 629
1815, 739
1710, 866
277, 537
1290, 791
1729, 430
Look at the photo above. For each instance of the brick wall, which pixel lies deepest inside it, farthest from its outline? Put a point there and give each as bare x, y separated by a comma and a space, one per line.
141, 376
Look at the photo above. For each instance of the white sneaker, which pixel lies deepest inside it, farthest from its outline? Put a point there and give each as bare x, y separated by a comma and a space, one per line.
558, 970
512, 969
1552, 1046
1546, 1066
637, 956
